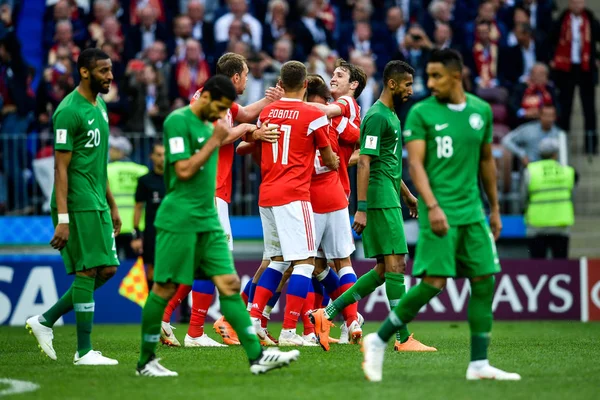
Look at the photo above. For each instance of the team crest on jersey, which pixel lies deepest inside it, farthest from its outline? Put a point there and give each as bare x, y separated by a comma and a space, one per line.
105, 115
476, 121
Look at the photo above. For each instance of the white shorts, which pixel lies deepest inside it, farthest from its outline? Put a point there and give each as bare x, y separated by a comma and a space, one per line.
289, 231
223, 211
334, 234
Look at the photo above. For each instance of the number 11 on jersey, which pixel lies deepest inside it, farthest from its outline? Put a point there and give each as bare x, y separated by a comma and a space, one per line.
287, 132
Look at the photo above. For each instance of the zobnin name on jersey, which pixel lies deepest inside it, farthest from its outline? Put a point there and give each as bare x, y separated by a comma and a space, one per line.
287, 114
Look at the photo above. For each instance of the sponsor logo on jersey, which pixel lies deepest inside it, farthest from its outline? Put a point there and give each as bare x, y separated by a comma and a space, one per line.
61, 136
176, 145
91, 121
440, 127
476, 121
371, 142
105, 115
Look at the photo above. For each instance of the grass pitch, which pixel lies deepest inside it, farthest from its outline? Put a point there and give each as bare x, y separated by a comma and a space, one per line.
557, 360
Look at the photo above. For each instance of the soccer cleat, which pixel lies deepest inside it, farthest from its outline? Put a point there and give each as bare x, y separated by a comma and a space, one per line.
373, 351
322, 327
167, 337
263, 335
310, 340
202, 341
223, 328
344, 337
93, 357
272, 359
43, 335
271, 338
486, 371
412, 344
153, 368
355, 332
289, 337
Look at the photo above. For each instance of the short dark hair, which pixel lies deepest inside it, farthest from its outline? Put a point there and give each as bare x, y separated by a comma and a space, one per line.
394, 69
158, 142
220, 86
317, 86
449, 58
230, 64
357, 74
88, 57
293, 75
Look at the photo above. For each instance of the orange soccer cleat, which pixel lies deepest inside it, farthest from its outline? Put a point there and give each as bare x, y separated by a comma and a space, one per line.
412, 344
322, 327
223, 328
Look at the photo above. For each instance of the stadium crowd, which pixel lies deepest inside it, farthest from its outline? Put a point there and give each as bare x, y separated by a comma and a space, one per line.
520, 55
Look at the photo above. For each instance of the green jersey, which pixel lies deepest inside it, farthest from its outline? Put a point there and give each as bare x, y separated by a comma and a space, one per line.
453, 139
188, 206
380, 139
82, 128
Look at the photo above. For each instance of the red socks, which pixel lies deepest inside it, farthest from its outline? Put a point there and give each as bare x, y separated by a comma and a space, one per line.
182, 292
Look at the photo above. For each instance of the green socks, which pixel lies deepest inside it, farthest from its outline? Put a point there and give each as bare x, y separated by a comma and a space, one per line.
64, 305
395, 290
363, 287
407, 309
151, 325
479, 314
235, 313
83, 303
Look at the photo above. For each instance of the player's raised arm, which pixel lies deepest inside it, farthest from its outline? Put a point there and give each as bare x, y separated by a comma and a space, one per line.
487, 168
331, 110
250, 112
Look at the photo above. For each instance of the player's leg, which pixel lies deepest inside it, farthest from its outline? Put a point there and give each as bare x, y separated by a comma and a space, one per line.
202, 297
309, 328
174, 265
167, 337
252, 289
477, 260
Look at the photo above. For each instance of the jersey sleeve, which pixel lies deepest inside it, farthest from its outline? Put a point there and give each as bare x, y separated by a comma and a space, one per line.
344, 106
141, 191
177, 139
488, 136
415, 126
320, 128
66, 123
371, 131
351, 134
235, 108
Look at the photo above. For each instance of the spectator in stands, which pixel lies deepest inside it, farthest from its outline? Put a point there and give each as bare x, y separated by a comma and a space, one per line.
102, 10
282, 52
275, 26
238, 9
141, 36
116, 102
528, 98
547, 192
443, 38
156, 55
413, 11
524, 142
520, 16
321, 61
64, 38
372, 90
439, 13
118, 65
112, 33
201, 31
540, 12
575, 38
362, 43
326, 14
239, 47
238, 32
256, 84
517, 61
182, 31
310, 31
486, 14
415, 51
484, 55
396, 28
148, 100
189, 75
136, 5
64, 12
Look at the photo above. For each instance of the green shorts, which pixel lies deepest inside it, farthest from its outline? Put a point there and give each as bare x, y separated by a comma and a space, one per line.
384, 233
182, 257
467, 251
91, 241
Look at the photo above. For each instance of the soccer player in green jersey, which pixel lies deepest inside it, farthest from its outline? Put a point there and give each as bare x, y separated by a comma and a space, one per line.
84, 212
379, 216
449, 138
190, 241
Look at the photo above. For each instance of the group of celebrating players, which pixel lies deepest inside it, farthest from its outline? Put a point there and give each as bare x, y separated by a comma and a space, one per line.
304, 145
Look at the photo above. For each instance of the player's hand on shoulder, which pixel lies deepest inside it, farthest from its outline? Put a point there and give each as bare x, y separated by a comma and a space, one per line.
495, 223
438, 221
61, 236
274, 93
267, 133
360, 222
221, 131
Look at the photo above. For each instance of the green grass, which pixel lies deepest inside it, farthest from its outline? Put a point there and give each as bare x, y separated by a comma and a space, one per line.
557, 360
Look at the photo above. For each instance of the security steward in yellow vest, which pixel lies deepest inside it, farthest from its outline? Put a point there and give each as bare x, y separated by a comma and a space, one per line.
548, 188
123, 175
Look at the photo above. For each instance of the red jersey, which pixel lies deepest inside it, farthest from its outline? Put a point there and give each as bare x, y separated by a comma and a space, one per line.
225, 163
347, 126
286, 166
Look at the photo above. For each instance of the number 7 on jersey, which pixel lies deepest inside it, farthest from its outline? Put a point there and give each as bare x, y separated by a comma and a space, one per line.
287, 131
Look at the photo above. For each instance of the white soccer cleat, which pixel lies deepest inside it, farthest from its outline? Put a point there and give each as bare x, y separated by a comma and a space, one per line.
202, 341
43, 335
361, 319
167, 337
93, 357
310, 340
154, 369
373, 350
355, 332
486, 371
273, 358
261, 332
344, 335
289, 337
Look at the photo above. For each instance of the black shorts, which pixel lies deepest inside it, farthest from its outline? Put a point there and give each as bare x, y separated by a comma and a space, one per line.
149, 248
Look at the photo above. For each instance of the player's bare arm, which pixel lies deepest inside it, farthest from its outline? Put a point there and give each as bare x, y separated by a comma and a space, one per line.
416, 157
266, 133
185, 169
331, 110
61, 188
137, 243
354, 158
237, 132
362, 183
251, 111
487, 168
114, 210
409, 199
330, 159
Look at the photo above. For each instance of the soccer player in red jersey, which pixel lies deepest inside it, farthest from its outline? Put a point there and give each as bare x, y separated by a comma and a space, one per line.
284, 200
233, 66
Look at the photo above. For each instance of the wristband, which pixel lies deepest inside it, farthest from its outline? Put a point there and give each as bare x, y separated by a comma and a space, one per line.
137, 234
433, 206
362, 205
63, 218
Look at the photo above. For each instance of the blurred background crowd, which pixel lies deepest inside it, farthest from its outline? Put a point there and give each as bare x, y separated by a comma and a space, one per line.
526, 57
